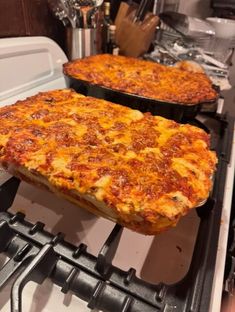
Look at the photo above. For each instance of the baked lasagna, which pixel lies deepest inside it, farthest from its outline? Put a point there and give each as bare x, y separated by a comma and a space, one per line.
141, 171
143, 78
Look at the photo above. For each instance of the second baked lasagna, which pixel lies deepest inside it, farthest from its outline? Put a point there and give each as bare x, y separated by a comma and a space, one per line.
143, 78
136, 169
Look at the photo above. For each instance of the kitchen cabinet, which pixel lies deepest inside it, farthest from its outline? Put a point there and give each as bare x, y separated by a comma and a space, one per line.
29, 18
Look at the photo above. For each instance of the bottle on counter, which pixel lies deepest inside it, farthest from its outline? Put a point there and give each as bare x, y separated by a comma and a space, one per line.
112, 47
105, 26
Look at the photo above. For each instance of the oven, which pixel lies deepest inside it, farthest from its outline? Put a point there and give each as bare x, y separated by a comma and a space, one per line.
55, 256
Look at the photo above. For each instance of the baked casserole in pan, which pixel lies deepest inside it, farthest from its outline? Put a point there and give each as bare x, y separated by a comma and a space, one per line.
139, 170
143, 78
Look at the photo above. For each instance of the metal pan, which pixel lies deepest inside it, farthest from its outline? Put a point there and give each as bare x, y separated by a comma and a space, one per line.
170, 110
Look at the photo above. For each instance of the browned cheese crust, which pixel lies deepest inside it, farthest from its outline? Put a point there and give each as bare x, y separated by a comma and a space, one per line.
143, 78
136, 169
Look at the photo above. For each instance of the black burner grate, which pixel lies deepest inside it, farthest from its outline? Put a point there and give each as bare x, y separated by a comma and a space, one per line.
38, 255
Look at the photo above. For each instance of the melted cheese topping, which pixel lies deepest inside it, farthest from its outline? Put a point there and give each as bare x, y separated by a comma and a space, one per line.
140, 170
148, 79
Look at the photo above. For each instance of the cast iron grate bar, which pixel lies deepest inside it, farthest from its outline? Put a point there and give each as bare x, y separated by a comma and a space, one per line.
16, 262
108, 251
69, 280
75, 269
37, 270
8, 192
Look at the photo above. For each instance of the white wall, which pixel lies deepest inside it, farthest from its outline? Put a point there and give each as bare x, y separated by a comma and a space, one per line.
197, 8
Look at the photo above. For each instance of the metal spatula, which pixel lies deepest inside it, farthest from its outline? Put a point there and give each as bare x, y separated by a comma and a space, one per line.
85, 7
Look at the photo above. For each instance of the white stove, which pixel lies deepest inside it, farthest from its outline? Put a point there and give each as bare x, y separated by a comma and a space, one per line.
32, 64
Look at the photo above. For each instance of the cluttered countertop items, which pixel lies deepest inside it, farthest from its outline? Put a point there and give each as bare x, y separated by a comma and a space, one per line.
170, 38
90, 29
196, 41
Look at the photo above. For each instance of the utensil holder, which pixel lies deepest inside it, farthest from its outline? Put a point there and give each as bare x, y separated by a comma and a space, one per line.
82, 42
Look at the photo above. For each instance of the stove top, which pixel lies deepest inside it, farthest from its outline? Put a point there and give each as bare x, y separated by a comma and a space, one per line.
99, 264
